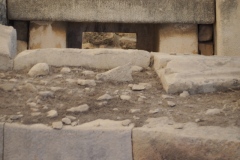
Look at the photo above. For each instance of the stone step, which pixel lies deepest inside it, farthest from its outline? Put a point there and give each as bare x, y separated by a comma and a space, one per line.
151, 11
197, 74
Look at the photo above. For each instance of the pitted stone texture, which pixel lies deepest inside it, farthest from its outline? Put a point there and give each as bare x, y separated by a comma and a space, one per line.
197, 74
159, 140
93, 58
227, 33
5, 63
1, 140
100, 139
47, 35
178, 38
151, 11
3, 12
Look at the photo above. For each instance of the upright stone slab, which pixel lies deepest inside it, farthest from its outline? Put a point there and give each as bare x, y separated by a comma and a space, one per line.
47, 35
227, 31
8, 47
178, 38
100, 140
3, 12
160, 141
134, 11
196, 73
1, 140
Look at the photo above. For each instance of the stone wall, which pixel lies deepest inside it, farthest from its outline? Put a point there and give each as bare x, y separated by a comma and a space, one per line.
3, 11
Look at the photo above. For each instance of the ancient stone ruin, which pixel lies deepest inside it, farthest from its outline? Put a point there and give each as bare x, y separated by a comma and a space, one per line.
124, 80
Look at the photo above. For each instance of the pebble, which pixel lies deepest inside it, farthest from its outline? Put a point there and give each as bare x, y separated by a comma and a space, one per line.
134, 110
74, 123
167, 97
88, 73
136, 118
213, 111
198, 120
52, 113
66, 121
153, 111
130, 85
81, 108
71, 80
65, 70
30, 87
171, 104
136, 69
178, 126
7, 87
55, 89
184, 94
32, 104
16, 117
13, 80
34, 109
34, 114
46, 94
59, 76
102, 103
39, 69
126, 122
137, 87
115, 109
57, 125
84, 82
72, 118
105, 97
146, 85
125, 97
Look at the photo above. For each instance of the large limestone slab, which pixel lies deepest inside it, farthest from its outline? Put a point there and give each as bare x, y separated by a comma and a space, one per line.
93, 58
3, 12
101, 139
159, 141
197, 74
1, 140
151, 11
227, 32
178, 38
8, 47
47, 35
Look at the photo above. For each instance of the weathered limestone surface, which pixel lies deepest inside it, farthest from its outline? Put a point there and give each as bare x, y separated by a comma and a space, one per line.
21, 46
197, 74
1, 140
47, 35
3, 12
100, 139
93, 58
151, 11
8, 47
159, 141
178, 38
227, 31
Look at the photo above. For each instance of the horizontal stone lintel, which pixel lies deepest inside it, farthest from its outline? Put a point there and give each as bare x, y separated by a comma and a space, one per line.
124, 11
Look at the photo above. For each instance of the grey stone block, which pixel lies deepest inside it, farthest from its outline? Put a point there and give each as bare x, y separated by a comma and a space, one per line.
93, 58
85, 142
197, 74
3, 12
134, 11
1, 140
159, 141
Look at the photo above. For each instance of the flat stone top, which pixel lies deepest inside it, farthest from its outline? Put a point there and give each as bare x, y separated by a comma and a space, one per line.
126, 11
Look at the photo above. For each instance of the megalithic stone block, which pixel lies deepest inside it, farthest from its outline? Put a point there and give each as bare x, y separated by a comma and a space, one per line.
178, 38
47, 35
227, 31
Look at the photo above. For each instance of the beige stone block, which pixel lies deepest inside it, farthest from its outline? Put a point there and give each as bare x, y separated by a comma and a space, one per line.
47, 35
21, 46
206, 48
227, 29
157, 140
178, 38
205, 32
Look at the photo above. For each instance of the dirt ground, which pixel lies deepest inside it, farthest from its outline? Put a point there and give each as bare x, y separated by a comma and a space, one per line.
15, 99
